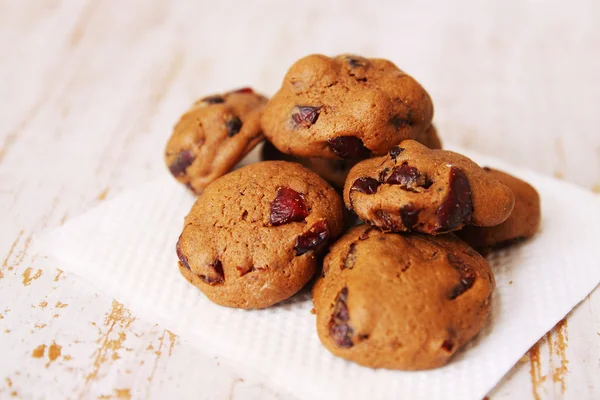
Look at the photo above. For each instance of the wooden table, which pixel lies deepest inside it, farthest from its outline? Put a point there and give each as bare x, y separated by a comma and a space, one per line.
89, 91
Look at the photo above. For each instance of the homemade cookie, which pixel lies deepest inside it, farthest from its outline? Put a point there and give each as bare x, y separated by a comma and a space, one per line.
523, 223
401, 301
345, 107
252, 239
336, 171
430, 138
333, 171
414, 188
213, 136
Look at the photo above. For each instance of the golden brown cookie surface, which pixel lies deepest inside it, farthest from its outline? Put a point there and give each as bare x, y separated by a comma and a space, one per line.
345, 107
523, 223
213, 136
252, 238
401, 301
414, 188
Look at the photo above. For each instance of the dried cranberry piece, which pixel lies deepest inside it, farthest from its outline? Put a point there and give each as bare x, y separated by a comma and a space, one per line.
457, 208
467, 276
217, 99
218, 275
339, 329
183, 160
182, 257
408, 177
382, 174
365, 234
365, 185
448, 345
288, 206
305, 116
234, 124
399, 122
386, 221
247, 90
395, 152
312, 239
409, 215
244, 270
348, 147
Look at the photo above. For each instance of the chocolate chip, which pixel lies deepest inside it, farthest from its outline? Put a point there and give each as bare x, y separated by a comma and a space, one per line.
409, 178
217, 99
487, 169
305, 116
339, 329
399, 122
395, 152
182, 257
312, 239
350, 257
467, 276
288, 206
409, 215
365, 185
183, 160
234, 124
348, 147
217, 276
457, 208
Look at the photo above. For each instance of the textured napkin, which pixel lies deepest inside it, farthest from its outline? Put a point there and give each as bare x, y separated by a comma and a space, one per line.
126, 247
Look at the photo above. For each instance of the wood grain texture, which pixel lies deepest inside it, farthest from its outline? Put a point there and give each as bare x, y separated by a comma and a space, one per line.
89, 93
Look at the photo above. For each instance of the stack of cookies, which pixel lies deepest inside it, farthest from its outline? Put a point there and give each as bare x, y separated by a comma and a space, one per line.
401, 282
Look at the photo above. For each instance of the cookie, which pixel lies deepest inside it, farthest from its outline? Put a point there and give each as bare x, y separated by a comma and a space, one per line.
336, 171
522, 224
430, 138
345, 107
414, 188
333, 171
254, 236
401, 301
213, 136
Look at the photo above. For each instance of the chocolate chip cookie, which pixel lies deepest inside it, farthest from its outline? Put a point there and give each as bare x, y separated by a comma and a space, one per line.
253, 238
414, 188
213, 136
345, 107
523, 223
401, 301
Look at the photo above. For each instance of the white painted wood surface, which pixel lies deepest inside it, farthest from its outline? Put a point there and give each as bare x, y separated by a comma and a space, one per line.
89, 91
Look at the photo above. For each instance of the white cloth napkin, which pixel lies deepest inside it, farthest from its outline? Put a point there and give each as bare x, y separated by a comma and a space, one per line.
126, 247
